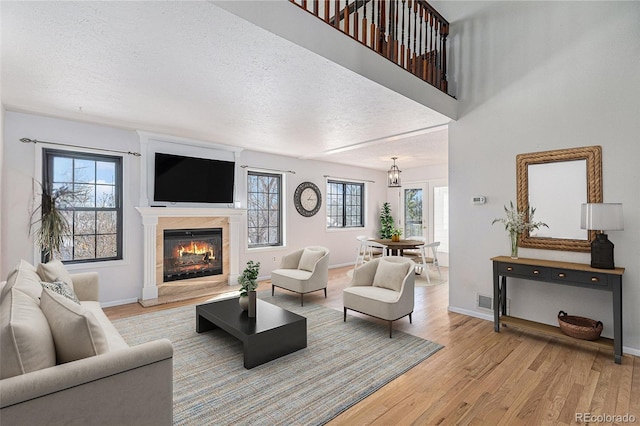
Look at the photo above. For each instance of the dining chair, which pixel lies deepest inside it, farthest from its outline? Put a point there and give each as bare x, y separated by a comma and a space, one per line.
414, 254
369, 250
423, 262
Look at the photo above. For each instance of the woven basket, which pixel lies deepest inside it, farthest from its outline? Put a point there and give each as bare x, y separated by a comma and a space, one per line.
579, 327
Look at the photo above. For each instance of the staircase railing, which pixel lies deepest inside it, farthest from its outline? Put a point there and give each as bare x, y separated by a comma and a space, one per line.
409, 33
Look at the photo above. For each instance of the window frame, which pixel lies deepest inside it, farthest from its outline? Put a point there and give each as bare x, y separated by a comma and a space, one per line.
344, 184
280, 226
48, 155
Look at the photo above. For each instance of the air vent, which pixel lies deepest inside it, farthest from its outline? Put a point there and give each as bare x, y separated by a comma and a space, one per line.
486, 302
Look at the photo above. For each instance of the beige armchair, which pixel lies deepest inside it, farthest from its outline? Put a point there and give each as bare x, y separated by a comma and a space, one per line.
303, 271
382, 288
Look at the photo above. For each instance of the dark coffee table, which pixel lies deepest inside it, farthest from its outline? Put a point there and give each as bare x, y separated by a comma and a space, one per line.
274, 332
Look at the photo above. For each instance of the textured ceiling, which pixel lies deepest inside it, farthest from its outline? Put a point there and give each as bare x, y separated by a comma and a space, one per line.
194, 70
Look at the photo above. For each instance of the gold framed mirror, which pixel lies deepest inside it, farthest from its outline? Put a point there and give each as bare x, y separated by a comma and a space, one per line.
556, 183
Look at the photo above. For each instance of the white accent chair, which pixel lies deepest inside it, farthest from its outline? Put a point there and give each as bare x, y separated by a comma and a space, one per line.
369, 250
382, 288
423, 262
303, 271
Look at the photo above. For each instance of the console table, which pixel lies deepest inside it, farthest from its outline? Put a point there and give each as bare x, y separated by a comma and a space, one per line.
564, 273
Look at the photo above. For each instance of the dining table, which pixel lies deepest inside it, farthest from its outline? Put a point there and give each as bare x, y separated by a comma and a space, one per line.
396, 248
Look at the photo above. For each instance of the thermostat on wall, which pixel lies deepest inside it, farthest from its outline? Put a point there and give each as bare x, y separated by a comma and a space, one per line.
479, 200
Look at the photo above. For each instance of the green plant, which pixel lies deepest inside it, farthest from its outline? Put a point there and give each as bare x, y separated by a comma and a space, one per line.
396, 232
248, 278
53, 225
386, 221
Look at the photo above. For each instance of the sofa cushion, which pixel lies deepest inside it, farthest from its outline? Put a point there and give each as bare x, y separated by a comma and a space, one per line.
76, 332
114, 339
24, 278
390, 275
309, 258
62, 288
54, 271
26, 344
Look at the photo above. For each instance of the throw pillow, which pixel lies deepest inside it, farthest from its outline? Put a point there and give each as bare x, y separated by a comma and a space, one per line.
54, 270
62, 288
390, 275
76, 332
309, 258
24, 278
26, 344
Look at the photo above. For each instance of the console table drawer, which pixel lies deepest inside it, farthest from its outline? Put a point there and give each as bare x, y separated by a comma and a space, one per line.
579, 277
524, 271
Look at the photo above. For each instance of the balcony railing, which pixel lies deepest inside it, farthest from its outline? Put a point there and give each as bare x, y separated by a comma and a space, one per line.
409, 33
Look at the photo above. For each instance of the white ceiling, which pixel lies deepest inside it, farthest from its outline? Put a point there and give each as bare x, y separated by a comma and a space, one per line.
192, 69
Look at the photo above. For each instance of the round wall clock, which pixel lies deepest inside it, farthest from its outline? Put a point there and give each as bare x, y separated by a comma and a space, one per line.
307, 199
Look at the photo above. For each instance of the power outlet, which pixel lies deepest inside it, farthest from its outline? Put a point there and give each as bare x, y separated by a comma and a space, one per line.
274, 259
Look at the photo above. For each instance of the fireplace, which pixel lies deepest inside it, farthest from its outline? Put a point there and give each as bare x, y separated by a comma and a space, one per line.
192, 253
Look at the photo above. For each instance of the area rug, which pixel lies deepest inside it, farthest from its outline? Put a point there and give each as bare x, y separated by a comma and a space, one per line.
342, 364
421, 280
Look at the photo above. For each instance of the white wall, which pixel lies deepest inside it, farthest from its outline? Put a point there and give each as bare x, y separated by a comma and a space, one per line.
121, 281
534, 76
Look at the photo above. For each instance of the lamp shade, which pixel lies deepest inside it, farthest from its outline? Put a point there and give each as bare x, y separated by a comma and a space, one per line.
602, 217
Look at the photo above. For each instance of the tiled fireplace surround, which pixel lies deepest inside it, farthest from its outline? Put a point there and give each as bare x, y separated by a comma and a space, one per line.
156, 219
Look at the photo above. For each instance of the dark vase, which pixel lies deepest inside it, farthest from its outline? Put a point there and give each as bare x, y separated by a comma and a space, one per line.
252, 304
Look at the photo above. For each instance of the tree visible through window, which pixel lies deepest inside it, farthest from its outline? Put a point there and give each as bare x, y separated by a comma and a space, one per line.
95, 213
264, 209
345, 204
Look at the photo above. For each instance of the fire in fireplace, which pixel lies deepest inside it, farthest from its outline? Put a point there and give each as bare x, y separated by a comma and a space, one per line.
191, 253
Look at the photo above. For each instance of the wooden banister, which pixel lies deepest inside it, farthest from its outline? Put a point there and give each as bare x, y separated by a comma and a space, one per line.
410, 33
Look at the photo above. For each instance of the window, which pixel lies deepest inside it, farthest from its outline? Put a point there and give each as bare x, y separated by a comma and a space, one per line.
94, 213
345, 204
264, 209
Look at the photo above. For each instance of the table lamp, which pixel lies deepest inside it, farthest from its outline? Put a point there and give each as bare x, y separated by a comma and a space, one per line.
602, 217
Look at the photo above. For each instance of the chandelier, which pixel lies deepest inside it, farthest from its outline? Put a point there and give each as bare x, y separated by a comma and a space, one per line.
394, 175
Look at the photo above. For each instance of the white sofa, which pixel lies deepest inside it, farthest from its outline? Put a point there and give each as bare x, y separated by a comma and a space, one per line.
119, 385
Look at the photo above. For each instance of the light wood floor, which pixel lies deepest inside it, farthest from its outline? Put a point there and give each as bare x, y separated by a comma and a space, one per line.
481, 377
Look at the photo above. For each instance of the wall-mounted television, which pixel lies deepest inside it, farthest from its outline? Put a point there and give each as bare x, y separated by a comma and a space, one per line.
179, 179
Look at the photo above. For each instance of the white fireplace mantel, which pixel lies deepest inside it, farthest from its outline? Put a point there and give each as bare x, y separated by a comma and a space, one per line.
150, 215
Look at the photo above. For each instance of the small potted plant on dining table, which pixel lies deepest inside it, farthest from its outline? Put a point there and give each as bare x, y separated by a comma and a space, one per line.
395, 234
248, 281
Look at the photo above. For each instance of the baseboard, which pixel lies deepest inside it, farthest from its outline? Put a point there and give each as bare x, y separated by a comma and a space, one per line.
118, 302
470, 313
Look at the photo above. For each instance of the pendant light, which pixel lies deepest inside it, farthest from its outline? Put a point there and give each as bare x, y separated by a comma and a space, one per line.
394, 175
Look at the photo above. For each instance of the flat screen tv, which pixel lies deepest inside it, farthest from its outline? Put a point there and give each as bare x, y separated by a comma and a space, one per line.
179, 179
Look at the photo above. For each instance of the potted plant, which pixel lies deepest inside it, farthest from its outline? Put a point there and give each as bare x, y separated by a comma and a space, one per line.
248, 285
386, 221
395, 234
53, 225
516, 223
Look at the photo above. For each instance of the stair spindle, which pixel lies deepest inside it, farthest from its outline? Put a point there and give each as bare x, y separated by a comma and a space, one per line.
415, 32
364, 23
402, 41
346, 18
